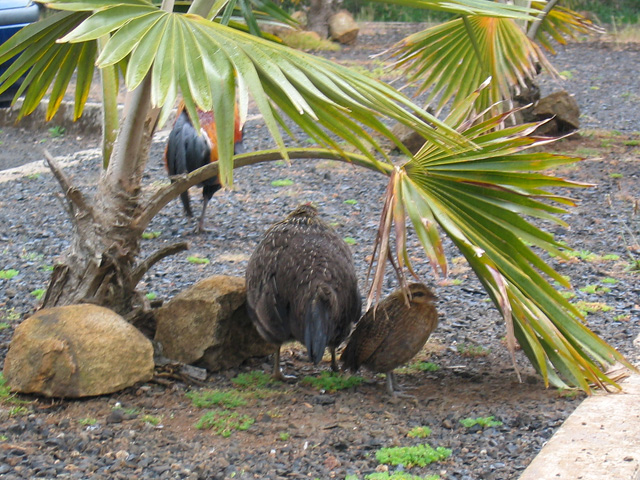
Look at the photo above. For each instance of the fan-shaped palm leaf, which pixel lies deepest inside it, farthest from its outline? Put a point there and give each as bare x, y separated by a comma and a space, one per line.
479, 198
452, 59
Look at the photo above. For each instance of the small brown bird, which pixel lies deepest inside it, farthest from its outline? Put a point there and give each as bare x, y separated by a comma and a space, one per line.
390, 334
302, 285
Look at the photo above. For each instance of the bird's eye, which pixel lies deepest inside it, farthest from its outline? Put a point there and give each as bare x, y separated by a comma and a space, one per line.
418, 294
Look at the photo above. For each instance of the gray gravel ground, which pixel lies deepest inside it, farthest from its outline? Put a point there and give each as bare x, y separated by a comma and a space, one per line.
330, 435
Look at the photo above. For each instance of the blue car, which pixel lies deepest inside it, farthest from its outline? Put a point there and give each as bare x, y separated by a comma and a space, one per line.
14, 14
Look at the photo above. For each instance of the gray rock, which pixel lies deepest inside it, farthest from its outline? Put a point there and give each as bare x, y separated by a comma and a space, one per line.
207, 324
77, 351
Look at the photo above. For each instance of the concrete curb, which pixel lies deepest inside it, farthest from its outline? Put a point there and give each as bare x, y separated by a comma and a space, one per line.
600, 440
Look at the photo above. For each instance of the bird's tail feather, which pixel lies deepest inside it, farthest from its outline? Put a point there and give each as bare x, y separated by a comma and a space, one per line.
315, 329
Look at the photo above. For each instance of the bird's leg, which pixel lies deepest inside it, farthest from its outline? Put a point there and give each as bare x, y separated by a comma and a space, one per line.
200, 226
277, 372
334, 364
394, 389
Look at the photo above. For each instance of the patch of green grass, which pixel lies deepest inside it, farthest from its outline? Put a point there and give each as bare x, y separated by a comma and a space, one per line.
253, 380
568, 392
210, 398
151, 295
224, 422
284, 436
11, 315
610, 257
351, 201
18, 411
568, 294
284, 182
151, 235
87, 421
419, 432
418, 367
33, 176
472, 350
622, 318
8, 274
568, 74
332, 381
417, 455
588, 152
398, 476
616, 175
484, 422
3, 438
631, 143
151, 420
595, 289
47, 268
198, 260
4, 325
57, 131
31, 256
609, 281
586, 308
350, 240
38, 293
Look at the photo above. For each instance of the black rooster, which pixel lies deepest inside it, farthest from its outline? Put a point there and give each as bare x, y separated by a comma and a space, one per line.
187, 151
302, 285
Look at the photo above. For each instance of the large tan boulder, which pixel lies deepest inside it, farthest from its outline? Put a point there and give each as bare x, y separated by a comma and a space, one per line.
77, 351
208, 325
343, 28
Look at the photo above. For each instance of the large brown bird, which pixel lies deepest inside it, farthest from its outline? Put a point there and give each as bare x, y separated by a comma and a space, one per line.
188, 150
302, 285
392, 333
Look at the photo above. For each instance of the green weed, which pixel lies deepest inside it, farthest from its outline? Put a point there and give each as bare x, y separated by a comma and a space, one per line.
622, 317
151, 235
18, 411
284, 436
419, 432
609, 280
57, 131
151, 420
254, 379
8, 274
616, 175
419, 367
209, 398
471, 350
4, 325
11, 315
351, 201
350, 240
198, 260
398, 476
332, 381
38, 293
285, 182
87, 421
595, 289
484, 422
224, 422
586, 308
418, 455
151, 295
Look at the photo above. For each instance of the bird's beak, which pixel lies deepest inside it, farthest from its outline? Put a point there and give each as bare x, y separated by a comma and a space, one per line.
239, 148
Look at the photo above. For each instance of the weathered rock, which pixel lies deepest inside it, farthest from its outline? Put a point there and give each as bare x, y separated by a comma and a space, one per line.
564, 110
300, 17
409, 137
343, 28
77, 351
208, 325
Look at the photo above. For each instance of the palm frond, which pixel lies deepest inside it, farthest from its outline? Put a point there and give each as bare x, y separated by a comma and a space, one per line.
452, 59
479, 199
